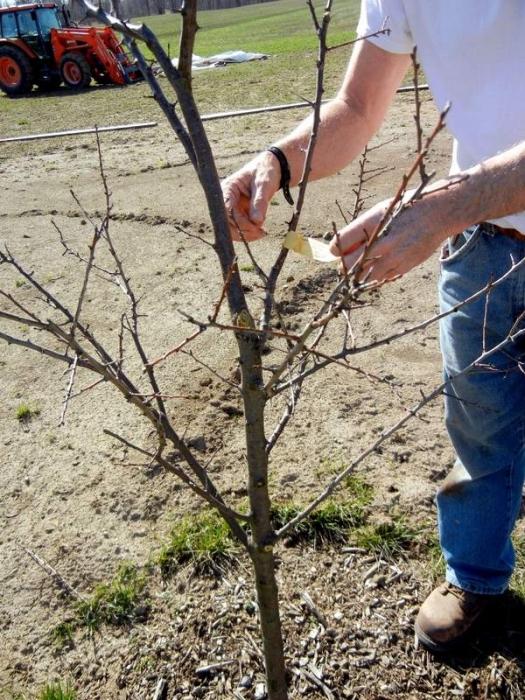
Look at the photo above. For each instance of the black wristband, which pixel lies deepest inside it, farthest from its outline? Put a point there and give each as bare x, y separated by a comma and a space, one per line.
285, 173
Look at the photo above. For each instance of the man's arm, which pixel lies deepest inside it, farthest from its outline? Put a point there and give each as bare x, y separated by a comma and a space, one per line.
347, 124
492, 189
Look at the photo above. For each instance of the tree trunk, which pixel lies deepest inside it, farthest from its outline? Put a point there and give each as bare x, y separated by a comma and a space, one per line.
261, 546
268, 600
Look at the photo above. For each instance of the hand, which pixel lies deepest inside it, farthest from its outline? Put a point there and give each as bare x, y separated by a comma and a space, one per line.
410, 239
247, 194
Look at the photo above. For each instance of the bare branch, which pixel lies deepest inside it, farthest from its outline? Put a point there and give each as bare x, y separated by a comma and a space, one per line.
228, 514
321, 29
417, 115
69, 390
383, 30
13, 340
224, 291
87, 388
178, 347
162, 101
295, 393
89, 265
187, 39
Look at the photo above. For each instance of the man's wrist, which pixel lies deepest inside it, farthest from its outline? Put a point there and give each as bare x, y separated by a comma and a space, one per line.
284, 184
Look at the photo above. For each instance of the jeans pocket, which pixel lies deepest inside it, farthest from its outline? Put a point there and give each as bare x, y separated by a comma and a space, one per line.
457, 247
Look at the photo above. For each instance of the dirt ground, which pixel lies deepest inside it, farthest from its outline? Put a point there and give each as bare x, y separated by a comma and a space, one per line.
85, 504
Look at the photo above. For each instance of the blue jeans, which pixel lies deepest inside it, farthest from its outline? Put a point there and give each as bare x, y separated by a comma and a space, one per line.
479, 501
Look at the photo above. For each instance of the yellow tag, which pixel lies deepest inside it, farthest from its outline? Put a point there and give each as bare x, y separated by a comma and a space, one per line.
309, 247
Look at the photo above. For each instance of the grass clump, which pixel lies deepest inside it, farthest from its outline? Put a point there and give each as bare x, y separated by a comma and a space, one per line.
388, 540
329, 523
120, 602
204, 540
62, 634
24, 412
360, 492
435, 558
57, 691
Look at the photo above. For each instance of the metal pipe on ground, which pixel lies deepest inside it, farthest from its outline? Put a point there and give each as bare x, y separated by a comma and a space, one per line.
78, 132
205, 118
281, 108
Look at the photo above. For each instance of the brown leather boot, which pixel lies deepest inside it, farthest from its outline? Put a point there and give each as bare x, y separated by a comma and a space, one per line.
447, 615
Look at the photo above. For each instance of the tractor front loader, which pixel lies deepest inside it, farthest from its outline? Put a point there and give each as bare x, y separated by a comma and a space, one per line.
38, 46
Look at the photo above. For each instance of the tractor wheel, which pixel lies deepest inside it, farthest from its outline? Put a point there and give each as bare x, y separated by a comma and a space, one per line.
75, 70
16, 71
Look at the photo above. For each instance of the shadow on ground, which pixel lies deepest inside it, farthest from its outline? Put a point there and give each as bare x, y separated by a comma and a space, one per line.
500, 631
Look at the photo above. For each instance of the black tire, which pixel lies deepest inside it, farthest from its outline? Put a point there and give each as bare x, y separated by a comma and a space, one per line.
16, 71
53, 82
75, 70
103, 79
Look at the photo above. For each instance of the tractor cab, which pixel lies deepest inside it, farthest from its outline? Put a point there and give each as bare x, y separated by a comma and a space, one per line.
33, 25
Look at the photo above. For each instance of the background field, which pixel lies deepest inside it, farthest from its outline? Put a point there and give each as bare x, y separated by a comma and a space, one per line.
282, 29
88, 506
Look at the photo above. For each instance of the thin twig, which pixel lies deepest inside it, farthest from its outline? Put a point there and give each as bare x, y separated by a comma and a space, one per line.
383, 30
57, 577
417, 115
69, 390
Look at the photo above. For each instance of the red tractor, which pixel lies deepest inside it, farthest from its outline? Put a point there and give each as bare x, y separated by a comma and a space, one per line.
39, 46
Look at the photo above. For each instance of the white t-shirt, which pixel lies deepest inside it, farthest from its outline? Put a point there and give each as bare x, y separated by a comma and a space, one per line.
473, 55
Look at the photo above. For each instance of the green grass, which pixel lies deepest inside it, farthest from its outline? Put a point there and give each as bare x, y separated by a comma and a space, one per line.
62, 634
204, 540
24, 412
57, 691
434, 557
387, 540
330, 522
282, 27
120, 602
361, 492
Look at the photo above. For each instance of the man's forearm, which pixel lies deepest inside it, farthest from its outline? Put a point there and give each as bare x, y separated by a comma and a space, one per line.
496, 187
350, 120
492, 189
343, 134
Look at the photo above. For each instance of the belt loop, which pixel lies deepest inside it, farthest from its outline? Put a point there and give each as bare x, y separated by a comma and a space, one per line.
488, 228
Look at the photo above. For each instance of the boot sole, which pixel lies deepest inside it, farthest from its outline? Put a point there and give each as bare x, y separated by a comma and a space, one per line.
438, 647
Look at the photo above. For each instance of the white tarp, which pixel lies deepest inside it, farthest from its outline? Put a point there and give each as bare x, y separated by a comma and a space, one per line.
223, 59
